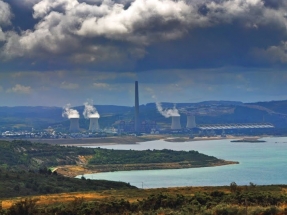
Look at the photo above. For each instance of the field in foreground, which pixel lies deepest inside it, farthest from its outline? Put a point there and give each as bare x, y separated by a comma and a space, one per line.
233, 199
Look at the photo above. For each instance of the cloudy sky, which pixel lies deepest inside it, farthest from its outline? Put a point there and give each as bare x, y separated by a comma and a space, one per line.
54, 52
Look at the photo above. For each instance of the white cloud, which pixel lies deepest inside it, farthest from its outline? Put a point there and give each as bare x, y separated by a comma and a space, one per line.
101, 85
18, 88
110, 31
274, 54
45, 6
5, 14
69, 86
2, 35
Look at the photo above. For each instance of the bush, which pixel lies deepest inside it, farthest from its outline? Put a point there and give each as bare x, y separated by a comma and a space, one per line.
23, 207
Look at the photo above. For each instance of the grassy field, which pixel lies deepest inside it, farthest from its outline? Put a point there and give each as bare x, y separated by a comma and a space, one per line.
224, 200
130, 195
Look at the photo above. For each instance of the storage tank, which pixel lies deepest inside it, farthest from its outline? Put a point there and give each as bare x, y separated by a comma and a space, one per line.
175, 124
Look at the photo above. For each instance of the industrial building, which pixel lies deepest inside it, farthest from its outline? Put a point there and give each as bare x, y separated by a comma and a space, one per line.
190, 121
129, 126
94, 124
74, 125
175, 123
235, 126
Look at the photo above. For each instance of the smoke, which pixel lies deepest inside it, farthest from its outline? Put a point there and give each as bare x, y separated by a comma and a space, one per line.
90, 111
167, 112
69, 112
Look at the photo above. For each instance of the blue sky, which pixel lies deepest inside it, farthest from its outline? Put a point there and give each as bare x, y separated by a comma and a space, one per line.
54, 52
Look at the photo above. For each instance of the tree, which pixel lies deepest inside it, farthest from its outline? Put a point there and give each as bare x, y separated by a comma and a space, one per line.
233, 187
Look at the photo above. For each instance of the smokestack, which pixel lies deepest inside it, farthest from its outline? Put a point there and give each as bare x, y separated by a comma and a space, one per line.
94, 124
137, 124
74, 125
190, 121
175, 123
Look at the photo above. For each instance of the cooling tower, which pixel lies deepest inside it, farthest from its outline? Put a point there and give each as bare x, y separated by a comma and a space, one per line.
190, 121
137, 123
74, 124
94, 124
175, 124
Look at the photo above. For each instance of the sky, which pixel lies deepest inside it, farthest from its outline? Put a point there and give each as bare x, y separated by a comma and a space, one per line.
54, 52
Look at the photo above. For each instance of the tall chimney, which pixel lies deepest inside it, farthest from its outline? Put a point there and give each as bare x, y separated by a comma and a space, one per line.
137, 124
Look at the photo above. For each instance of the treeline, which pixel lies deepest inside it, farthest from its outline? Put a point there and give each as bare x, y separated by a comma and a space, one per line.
44, 181
21, 154
28, 155
250, 200
107, 156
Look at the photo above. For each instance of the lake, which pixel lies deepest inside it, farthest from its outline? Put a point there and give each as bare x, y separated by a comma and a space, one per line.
259, 163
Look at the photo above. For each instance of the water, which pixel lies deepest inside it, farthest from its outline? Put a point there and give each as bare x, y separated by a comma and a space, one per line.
260, 163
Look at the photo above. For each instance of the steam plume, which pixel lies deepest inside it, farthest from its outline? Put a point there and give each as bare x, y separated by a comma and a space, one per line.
90, 111
167, 112
69, 112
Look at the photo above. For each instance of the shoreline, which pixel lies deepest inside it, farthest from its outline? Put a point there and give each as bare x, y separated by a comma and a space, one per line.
77, 170
126, 140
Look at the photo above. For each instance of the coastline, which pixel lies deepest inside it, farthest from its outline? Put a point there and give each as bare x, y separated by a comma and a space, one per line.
75, 170
87, 142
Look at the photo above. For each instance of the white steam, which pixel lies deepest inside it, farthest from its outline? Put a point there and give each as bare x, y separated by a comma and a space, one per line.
90, 111
167, 112
69, 112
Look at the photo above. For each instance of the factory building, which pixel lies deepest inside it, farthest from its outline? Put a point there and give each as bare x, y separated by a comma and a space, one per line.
129, 127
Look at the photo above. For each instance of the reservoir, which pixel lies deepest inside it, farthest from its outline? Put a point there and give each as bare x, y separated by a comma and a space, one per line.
259, 163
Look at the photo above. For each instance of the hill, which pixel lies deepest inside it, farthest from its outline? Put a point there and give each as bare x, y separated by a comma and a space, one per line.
208, 112
26, 155
43, 181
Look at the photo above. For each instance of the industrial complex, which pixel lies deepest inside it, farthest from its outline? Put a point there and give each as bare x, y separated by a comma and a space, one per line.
136, 126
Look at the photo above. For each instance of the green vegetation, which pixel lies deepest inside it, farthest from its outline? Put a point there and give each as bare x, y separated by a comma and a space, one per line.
44, 181
20, 154
106, 156
25, 155
251, 200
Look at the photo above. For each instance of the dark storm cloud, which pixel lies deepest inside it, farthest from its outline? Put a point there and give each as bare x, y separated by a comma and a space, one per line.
147, 34
275, 4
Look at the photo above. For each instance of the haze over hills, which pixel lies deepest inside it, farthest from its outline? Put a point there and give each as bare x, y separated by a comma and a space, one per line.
207, 112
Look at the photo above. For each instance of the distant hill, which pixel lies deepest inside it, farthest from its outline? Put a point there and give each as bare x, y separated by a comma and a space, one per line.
207, 112
276, 106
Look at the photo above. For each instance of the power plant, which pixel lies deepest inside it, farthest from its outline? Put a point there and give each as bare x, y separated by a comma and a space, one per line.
148, 125
175, 122
190, 121
74, 125
94, 124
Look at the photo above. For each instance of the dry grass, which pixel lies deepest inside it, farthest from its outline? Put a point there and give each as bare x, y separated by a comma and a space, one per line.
130, 195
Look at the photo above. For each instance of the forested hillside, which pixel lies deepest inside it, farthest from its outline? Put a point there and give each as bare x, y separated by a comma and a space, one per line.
105, 156
26, 155
19, 154
44, 181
